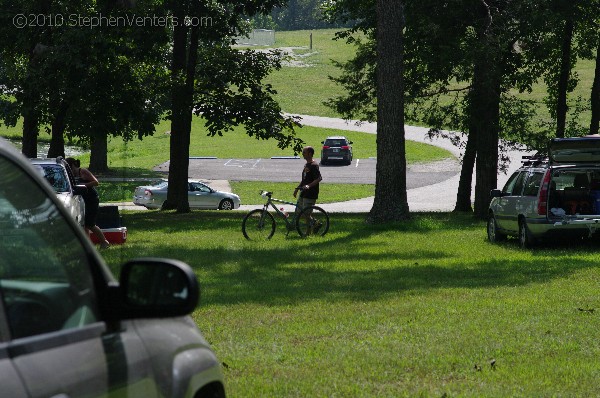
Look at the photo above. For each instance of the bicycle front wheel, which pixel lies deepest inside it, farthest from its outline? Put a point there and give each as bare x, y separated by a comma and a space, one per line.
312, 221
258, 225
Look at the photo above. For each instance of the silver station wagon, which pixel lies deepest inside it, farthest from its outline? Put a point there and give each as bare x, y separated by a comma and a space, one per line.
549, 196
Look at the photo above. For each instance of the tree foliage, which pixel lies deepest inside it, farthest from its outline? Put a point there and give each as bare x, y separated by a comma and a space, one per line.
82, 70
295, 15
220, 83
94, 70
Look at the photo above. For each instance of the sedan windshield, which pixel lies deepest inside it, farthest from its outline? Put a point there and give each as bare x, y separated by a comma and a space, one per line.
56, 177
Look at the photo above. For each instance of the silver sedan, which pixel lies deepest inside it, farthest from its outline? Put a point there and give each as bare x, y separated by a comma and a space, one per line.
200, 196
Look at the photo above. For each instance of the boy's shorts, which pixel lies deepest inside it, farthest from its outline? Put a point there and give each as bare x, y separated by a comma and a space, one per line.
304, 203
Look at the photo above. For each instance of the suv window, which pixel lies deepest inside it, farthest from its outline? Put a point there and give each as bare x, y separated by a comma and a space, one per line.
510, 183
507, 189
519, 182
532, 186
45, 278
569, 179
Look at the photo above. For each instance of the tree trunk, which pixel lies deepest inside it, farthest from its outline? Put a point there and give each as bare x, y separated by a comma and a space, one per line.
486, 119
30, 133
183, 73
595, 100
563, 80
57, 142
30, 123
390, 203
463, 196
98, 154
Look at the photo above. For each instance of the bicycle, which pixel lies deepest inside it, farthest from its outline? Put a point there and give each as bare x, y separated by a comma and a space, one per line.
260, 224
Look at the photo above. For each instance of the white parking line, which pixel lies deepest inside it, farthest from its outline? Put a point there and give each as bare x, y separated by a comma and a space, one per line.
357, 160
241, 163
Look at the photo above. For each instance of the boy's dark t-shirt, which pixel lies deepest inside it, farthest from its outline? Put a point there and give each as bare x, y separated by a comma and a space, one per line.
310, 173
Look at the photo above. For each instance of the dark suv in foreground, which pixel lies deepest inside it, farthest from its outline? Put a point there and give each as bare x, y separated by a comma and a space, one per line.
554, 195
68, 328
337, 148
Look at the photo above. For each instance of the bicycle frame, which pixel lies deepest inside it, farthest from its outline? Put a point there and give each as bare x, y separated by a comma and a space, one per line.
290, 220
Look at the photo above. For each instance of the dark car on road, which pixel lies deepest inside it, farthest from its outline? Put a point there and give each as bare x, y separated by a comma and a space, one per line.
68, 328
336, 149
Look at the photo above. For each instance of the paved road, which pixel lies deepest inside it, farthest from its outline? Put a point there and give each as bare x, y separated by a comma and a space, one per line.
440, 196
361, 171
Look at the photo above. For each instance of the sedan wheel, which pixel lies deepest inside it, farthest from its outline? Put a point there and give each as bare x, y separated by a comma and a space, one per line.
226, 204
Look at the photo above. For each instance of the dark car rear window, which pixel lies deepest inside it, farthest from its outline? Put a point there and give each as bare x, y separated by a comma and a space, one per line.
335, 142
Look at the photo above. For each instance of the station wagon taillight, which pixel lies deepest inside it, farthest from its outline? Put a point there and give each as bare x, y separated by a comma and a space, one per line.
345, 147
542, 207
325, 146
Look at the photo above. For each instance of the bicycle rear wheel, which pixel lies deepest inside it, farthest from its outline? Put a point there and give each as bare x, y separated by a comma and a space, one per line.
258, 225
312, 221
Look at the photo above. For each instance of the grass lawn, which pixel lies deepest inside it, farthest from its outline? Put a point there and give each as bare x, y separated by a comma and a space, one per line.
421, 308
328, 193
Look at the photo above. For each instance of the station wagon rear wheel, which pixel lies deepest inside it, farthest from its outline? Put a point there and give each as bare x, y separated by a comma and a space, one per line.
494, 236
526, 241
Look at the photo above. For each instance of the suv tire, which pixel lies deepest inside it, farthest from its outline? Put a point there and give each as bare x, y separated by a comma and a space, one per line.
526, 241
494, 236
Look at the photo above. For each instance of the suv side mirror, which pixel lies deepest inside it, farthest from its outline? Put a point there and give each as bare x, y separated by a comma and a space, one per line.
79, 189
496, 193
156, 288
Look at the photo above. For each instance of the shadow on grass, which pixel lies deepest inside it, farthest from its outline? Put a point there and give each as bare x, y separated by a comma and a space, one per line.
297, 270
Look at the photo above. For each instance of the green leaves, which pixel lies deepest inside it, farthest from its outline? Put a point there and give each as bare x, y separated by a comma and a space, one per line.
229, 92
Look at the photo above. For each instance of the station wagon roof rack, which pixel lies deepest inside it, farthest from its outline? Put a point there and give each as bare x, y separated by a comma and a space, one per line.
534, 160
